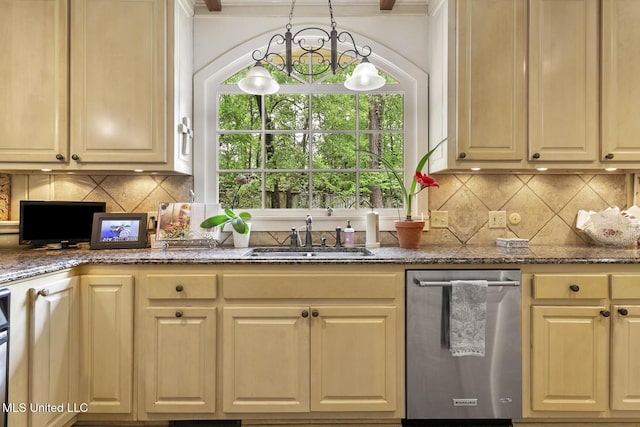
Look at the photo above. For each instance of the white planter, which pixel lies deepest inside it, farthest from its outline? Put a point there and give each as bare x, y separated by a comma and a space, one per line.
241, 240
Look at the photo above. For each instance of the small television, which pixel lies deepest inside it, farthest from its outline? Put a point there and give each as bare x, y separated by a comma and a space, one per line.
56, 223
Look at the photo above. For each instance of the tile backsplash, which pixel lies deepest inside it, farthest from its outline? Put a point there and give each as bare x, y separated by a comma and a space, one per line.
547, 204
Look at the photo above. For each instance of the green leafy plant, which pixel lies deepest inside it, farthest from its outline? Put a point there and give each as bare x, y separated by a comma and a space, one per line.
237, 221
419, 179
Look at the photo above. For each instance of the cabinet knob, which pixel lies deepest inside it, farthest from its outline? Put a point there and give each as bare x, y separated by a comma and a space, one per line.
535, 156
315, 313
462, 155
623, 311
605, 313
305, 314
59, 157
75, 157
179, 288
574, 288
609, 156
43, 292
178, 313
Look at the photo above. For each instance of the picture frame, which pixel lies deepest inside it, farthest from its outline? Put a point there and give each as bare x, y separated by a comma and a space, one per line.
119, 231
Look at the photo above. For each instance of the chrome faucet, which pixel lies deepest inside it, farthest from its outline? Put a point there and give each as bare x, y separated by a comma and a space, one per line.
308, 243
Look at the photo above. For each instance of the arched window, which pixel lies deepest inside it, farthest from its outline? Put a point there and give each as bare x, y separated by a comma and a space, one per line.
305, 148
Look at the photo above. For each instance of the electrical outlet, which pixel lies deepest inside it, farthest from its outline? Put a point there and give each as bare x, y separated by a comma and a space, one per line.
439, 219
497, 219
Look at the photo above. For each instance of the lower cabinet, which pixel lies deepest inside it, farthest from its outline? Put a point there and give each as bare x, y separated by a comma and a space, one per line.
179, 359
53, 353
585, 358
106, 331
293, 350
177, 339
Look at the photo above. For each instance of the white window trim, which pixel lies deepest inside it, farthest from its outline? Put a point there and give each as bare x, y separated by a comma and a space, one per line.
414, 84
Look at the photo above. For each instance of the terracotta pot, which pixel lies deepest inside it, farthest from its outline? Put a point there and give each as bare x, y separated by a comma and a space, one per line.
409, 233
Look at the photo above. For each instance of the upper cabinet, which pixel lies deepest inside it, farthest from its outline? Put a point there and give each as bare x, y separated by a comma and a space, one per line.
620, 80
34, 58
127, 88
523, 85
563, 80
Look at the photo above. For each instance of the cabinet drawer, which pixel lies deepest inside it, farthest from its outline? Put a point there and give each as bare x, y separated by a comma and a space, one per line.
182, 286
570, 286
625, 286
281, 285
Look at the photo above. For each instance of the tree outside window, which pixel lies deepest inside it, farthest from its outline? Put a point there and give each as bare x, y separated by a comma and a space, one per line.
301, 148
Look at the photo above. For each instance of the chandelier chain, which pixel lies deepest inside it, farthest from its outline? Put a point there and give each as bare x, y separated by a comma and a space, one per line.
333, 21
293, 5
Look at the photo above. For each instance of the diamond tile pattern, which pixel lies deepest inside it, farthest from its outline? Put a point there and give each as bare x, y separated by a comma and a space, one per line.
547, 204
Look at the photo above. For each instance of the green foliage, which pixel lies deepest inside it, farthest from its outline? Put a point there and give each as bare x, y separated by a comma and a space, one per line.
295, 139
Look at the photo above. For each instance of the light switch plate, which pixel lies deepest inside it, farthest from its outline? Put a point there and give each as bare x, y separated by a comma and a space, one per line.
497, 219
439, 219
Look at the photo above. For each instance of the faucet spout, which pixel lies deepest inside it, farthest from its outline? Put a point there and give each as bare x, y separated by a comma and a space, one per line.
308, 241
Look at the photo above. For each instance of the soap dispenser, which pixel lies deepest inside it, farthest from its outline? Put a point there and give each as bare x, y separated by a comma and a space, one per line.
349, 236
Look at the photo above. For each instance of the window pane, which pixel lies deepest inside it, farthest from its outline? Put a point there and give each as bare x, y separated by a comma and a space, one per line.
239, 112
334, 151
240, 190
239, 151
336, 190
389, 146
287, 151
380, 190
287, 190
382, 111
334, 112
287, 112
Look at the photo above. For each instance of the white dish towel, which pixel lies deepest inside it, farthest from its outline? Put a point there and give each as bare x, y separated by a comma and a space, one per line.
468, 317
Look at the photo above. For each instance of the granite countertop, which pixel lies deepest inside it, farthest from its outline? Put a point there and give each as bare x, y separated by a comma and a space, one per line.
16, 264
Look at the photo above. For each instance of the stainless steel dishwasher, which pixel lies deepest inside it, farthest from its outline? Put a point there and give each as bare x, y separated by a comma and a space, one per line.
441, 386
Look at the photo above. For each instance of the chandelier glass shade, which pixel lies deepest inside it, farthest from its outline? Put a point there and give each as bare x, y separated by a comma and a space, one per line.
311, 52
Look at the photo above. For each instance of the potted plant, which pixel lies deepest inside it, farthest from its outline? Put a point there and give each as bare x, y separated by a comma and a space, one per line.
409, 231
240, 222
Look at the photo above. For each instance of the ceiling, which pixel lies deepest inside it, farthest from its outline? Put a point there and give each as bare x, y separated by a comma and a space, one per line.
217, 6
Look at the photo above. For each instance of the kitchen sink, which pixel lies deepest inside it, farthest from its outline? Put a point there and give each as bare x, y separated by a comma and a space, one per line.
315, 252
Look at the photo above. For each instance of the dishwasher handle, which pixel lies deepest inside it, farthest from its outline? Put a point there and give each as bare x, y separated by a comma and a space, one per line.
424, 284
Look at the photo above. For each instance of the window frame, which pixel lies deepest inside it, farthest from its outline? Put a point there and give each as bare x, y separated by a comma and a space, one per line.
412, 82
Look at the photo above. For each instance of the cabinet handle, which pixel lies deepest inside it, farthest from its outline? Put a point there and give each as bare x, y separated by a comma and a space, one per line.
609, 156
462, 155
623, 311
605, 313
535, 156
315, 313
179, 288
59, 157
305, 314
574, 288
178, 313
75, 157
43, 292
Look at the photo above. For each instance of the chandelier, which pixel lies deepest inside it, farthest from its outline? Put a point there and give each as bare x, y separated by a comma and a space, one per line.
306, 54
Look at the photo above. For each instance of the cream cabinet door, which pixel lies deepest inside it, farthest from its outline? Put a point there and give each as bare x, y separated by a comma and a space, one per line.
620, 80
563, 80
179, 359
625, 357
53, 353
569, 360
353, 359
265, 359
491, 80
106, 383
34, 87
118, 63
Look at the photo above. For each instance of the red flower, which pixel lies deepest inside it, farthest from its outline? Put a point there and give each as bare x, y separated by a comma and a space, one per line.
425, 180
